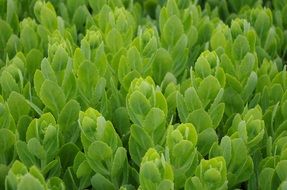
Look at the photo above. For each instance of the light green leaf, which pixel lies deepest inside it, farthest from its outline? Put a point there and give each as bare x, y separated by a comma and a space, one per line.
48, 17
208, 89
7, 140
99, 151
37, 149
52, 96
139, 143
68, 119
202, 67
8, 83
205, 140
161, 64
200, 119
30, 182
17, 105
138, 107
172, 30
192, 99
216, 114
100, 182
240, 47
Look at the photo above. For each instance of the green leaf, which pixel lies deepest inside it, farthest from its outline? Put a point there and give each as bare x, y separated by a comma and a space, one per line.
250, 86
48, 71
52, 96
84, 169
160, 102
60, 59
139, 143
22, 126
7, 140
97, 5
100, 89
240, 47
192, 36
98, 155
226, 64
30, 182
240, 163
99, 151
35, 172
184, 160
50, 141
68, 119
53, 165
134, 59
172, 7
211, 173
119, 170
179, 54
13, 45
165, 185
100, 182
192, 99
281, 169
24, 154
205, 140
114, 40
138, 107
18, 168
48, 17
208, 89
68, 149
29, 38
154, 124
202, 67
283, 185
246, 66
265, 178
69, 85
39, 78
17, 105
220, 76
121, 121
216, 114
181, 107
85, 45
6, 31
55, 183
154, 119
87, 77
70, 179
161, 64
233, 101
172, 30
149, 175
204, 30
78, 160
37, 149
200, 119
33, 61
234, 83
3, 173
284, 109
218, 40
271, 43
150, 47
262, 24
8, 83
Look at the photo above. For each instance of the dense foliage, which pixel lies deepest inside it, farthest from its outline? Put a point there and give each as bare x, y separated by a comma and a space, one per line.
149, 95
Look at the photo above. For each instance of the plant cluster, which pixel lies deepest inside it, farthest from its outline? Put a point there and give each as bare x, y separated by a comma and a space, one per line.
148, 95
